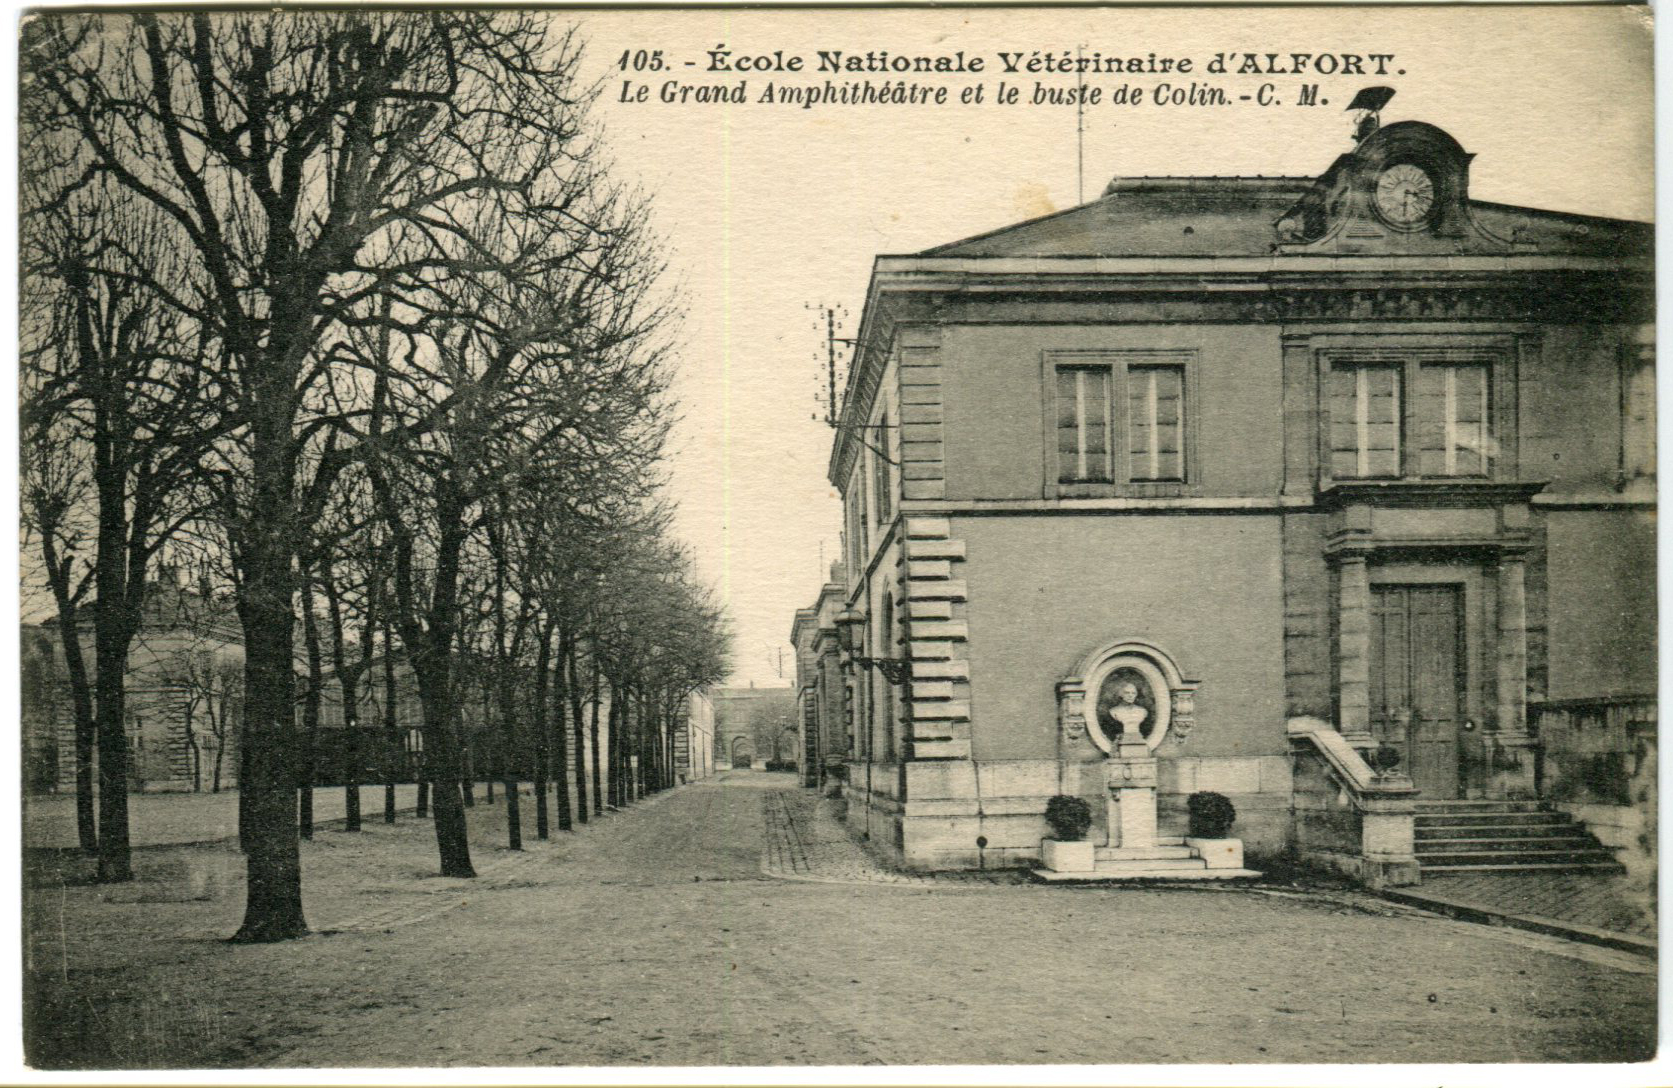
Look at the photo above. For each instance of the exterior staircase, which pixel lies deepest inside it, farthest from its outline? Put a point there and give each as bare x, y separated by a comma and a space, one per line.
1504, 836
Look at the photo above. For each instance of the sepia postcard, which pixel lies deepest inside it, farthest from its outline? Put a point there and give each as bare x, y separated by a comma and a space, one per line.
737, 544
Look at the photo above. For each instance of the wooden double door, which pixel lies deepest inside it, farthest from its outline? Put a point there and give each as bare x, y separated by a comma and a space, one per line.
1418, 681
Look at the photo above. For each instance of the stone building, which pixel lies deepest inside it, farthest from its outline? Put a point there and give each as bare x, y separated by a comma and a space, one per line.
1345, 482
820, 690
754, 726
184, 701
694, 738
184, 693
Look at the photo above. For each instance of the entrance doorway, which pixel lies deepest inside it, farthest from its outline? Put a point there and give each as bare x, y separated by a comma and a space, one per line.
1418, 681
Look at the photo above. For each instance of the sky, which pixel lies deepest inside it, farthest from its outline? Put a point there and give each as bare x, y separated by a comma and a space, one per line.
772, 211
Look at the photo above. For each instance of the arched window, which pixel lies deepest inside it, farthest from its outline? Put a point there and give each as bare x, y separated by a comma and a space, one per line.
887, 649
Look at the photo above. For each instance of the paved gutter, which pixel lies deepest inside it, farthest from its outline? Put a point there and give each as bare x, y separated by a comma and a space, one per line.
1476, 912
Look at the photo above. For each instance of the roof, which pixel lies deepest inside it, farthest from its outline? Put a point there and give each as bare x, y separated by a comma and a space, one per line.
1149, 217
1236, 217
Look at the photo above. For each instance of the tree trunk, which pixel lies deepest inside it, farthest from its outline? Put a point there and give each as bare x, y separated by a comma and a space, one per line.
572, 682
310, 711
348, 686
501, 677
618, 751
59, 576
245, 777
431, 650
467, 760
560, 755
598, 791
110, 640
81, 693
397, 750
542, 731
273, 897
442, 765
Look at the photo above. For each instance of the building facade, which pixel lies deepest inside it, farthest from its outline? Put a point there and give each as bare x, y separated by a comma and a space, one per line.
183, 694
755, 726
694, 738
1332, 487
821, 692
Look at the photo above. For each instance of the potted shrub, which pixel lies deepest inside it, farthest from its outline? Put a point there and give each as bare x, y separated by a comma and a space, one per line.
1212, 815
1068, 851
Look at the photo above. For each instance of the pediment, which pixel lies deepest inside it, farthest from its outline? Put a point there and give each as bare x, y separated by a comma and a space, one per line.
1405, 190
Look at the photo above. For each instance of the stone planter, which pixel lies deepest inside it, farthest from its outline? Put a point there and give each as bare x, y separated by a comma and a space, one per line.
1068, 857
1218, 853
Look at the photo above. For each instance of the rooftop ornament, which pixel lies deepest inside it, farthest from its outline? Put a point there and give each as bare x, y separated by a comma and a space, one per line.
1368, 105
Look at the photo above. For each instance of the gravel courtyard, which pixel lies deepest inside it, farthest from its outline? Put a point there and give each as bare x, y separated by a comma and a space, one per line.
661, 935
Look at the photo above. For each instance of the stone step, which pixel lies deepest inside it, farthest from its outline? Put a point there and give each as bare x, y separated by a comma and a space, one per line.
1101, 877
1497, 831
1532, 867
1575, 841
1124, 866
1493, 819
1519, 857
1143, 853
1464, 807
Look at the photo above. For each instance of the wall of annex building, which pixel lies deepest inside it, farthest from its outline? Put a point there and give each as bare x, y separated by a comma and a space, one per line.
997, 400
1044, 592
1571, 392
1600, 603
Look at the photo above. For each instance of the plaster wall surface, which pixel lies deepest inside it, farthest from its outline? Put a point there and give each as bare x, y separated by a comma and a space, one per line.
1046, 591
1569, 409
1601, 603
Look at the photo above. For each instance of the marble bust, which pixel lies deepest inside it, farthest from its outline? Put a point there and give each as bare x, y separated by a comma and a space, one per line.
1126, 709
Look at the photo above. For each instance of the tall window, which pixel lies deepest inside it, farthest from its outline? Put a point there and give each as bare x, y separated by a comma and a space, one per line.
1083, 424
1156, 422
1423, 416
856, 528
1452, 419
1365, 420
881, 484
860, 520
887, 649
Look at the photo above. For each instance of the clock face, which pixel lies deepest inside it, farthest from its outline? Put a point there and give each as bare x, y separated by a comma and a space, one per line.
1405, 194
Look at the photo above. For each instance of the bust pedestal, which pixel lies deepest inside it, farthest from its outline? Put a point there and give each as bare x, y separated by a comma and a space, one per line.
1130, 774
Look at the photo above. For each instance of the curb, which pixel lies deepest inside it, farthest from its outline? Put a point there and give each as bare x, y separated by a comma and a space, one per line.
1551, 927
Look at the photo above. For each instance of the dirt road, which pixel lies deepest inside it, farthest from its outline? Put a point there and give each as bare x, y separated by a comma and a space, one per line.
655, 937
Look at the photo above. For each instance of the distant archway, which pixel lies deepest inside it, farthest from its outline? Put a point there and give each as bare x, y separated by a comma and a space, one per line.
743, 751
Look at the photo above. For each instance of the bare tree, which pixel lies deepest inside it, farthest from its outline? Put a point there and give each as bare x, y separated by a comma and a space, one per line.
314, 164
111, 382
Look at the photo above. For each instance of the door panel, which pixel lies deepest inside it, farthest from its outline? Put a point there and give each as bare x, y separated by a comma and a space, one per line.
1417, 680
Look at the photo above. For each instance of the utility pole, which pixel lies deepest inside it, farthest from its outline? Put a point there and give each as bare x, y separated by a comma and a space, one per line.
830, 366
1080, 129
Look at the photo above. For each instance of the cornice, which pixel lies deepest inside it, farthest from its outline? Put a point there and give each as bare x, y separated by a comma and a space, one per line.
1427, 493
1278, 288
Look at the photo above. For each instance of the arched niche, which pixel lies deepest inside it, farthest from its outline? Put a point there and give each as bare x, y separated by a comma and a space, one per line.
1113, 683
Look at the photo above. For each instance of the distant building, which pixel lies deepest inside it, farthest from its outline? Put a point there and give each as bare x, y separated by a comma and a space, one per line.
754, 726
1341, 488
821, 693
694, 738
184, 693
